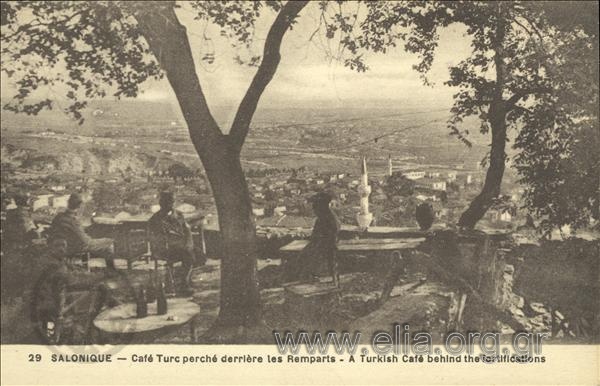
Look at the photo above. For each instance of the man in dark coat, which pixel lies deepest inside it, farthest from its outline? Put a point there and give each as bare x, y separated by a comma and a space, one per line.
324, 237
60, 278
171, 237
67, 227
19, 229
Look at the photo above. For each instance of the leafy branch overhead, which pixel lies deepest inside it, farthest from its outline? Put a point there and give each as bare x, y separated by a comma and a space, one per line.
533, 70
97, 49
529, 50
93, 48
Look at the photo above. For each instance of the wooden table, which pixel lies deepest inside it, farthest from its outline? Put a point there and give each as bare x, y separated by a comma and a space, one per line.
361, 245
122, 318
394, 249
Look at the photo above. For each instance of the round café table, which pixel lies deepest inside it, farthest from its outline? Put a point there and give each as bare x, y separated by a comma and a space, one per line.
122, 319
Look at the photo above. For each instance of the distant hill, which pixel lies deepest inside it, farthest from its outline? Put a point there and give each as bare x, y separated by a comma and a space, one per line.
76, 159
110, 114
290, 134
98, 115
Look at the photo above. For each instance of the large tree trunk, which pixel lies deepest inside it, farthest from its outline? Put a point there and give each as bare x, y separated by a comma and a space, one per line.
497, 118
495, 172
240, 300
220, 154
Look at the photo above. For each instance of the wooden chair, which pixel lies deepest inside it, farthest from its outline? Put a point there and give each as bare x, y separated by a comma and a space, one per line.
80, 258
74, 258
138, 246
169, 264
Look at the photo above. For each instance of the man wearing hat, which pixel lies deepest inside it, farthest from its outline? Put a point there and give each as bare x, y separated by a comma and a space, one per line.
171, 237
323, 240
19, 228
67, 227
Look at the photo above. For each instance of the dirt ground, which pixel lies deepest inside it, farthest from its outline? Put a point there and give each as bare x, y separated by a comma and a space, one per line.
424, 305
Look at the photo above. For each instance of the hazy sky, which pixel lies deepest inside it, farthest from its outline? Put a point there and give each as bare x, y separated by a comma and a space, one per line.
306, 77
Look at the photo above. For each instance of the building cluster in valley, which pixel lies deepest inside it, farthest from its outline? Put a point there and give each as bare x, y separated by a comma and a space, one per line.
279, 196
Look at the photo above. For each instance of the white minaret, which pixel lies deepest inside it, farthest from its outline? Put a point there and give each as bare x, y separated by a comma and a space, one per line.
364, 217
390, 168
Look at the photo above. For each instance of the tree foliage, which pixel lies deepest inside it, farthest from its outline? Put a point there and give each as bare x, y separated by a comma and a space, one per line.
561, 169
532, 75
92, 49
557, 143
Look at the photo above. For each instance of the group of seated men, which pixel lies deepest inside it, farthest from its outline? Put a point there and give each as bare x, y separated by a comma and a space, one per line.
170, 235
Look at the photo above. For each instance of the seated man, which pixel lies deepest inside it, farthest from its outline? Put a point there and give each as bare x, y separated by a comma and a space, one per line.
59, 278
67, 227
19, 228
171, 237
323, 240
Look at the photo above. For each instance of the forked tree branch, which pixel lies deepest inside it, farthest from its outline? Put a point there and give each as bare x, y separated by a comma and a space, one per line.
511, 102
264, 74
168, 40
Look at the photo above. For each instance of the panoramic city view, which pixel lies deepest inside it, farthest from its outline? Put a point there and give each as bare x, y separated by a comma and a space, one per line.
121, 164
183, 173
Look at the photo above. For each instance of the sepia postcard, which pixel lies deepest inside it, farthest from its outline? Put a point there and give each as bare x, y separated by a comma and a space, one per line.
300, 192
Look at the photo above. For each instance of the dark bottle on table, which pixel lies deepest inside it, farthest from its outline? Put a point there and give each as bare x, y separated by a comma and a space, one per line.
151, 289
141, 309
161, 300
